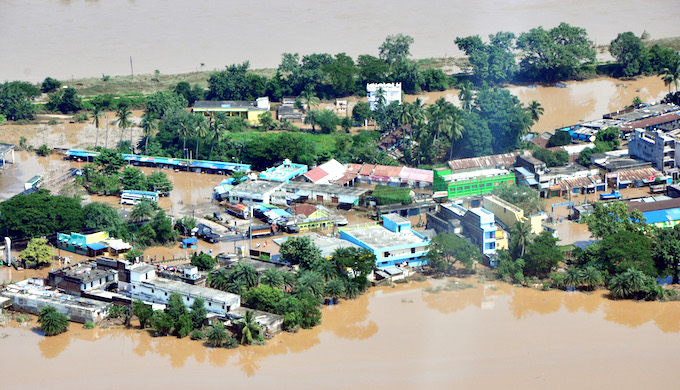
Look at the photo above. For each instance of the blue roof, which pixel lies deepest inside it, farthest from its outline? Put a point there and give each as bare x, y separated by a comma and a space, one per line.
190, 240
281, 212
81, 153
95, 246
660, 216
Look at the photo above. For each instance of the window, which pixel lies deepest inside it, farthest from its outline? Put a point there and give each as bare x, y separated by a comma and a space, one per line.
467, 187
152, 291
187, 299
134, 286
166, 294
209, 303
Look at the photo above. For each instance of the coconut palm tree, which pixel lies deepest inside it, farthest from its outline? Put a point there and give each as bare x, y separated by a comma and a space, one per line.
184, 131
465, 96
335, 289
149, 126
51, 321
671, 76
352, 289
380, 97
309, 98
310, 282
535, 110
245, 275
250, 331
200, 131
455, 132
521, 236
628, 284
272, 277
124, 121
96, 114
325, 268
142, 211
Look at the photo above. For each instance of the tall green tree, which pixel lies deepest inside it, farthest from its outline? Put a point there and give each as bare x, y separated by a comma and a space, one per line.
38, 251
142, 311
124, 121
149, 126
535, 110
101, 216
96, 114
396, 48
40, 214
631, 52
300, 250
554, 54
176, 307
198, 312
492, 63
249, 329
445, 250
542, 255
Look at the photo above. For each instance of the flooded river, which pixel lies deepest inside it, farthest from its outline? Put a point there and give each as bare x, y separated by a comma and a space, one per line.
82, 38
491, 336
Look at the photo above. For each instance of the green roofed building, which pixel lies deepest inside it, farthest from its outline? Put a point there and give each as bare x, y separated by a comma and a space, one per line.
470, 183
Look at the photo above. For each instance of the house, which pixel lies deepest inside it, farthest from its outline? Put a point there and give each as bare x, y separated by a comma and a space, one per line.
510, 214
387, 92
287, 111
254, 191
326, 244
324, 193
284, 172
663, 213
390, 176
92, 245
248, 110
4, 150
146, 286
448, 184
78, 278
655, 147
476, 224
325, 173
393, 243
407, 210
505, 160
665, 122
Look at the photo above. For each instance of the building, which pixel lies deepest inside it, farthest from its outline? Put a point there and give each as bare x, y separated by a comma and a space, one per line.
655, 147
326, 244
393, 243
92, 245
287, 111
81, 277
531, 163
31, 295
326, 173
505, 160
254, 191
662, 212
284, 172
248, 110
469, 183
510, 214
144, 285
388, 92
4, 150
390, 176
665, 122
407, 210
324, 193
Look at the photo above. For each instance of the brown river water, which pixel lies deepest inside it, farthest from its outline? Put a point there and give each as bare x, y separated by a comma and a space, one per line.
490, 336
85, 38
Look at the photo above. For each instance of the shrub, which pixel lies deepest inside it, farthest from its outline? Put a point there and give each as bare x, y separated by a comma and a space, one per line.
50, 85
88, 325
51, 321
80, 118
43, 150
52, 122
197, 335
231, 343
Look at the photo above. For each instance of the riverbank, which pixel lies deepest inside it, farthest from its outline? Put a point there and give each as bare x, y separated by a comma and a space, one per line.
492, 335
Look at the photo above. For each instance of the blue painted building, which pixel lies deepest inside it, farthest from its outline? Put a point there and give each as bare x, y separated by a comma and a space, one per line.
393, 243
284, 172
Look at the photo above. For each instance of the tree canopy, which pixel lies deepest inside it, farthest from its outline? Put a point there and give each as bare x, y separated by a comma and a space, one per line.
40, 214
445, 250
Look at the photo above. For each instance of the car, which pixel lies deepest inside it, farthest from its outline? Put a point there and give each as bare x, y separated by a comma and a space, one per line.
217, 216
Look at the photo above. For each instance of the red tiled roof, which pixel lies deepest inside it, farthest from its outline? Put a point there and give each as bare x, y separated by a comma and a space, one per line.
386, 171
316, 174
354, 168
304, 209
416, 174
367, 169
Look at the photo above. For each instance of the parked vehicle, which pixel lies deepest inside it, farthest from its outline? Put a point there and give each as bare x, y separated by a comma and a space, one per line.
259, 230
238, 210
613, 195
217, 216
205, 233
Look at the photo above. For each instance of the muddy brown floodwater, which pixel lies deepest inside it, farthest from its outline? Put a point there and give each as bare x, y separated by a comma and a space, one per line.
490, 336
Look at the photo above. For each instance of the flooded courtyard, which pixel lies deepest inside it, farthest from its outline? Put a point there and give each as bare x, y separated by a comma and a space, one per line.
492, 335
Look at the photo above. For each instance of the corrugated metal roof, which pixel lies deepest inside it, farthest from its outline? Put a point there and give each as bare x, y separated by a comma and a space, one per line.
353, 168
316, 174
503, 160
386, 171
639, 174
662, 215
367, 169
416, 174
654, 206
579, 182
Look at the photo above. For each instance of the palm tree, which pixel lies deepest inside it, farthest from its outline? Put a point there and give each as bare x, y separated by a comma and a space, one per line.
310, 282
405, 114
200, 131
218, 279
218, 131
184, 131
380, 97
671, 76
592, 278
272, 277
352, 289
521, 236
142, 211
324, 267
628, 284
250, 331
573, 278
309, 98
124, 121
245, 275
465, 96
51, 321
149, 126
535, 110
96, 114
217, 335
335, 289
455, 132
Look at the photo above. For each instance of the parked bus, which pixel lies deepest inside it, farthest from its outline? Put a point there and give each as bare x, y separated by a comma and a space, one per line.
134, 197
238, 210
34, 182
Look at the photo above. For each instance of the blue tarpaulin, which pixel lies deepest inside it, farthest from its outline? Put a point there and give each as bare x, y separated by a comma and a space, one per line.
95, 246
189, 241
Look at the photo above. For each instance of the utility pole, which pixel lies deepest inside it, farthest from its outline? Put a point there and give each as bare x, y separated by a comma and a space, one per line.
131, 69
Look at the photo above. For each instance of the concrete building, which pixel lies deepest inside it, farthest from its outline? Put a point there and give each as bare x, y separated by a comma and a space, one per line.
91, 245
393, 243
390, 176
327, 244
326, 173
146, 286
477, 224
510, 214
6, 149
324, 193
655, 147
31, 295
248, 110
81, 277
390, 92
284, 172
469, 183
254, 191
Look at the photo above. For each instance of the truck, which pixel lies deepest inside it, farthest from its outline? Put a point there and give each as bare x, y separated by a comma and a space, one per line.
615, 194
259, 230
205, 232
238, 210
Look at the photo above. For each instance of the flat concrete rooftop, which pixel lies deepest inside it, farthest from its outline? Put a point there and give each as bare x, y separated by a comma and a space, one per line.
380, 237
191, 290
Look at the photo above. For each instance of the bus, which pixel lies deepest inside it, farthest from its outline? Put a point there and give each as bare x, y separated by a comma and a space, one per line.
134, 197
34, 182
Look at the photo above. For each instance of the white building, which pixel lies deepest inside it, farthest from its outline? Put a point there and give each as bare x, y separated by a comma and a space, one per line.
390, 91
653, 146
144, 285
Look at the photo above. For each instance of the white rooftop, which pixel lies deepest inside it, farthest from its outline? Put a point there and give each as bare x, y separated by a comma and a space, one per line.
380, 237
